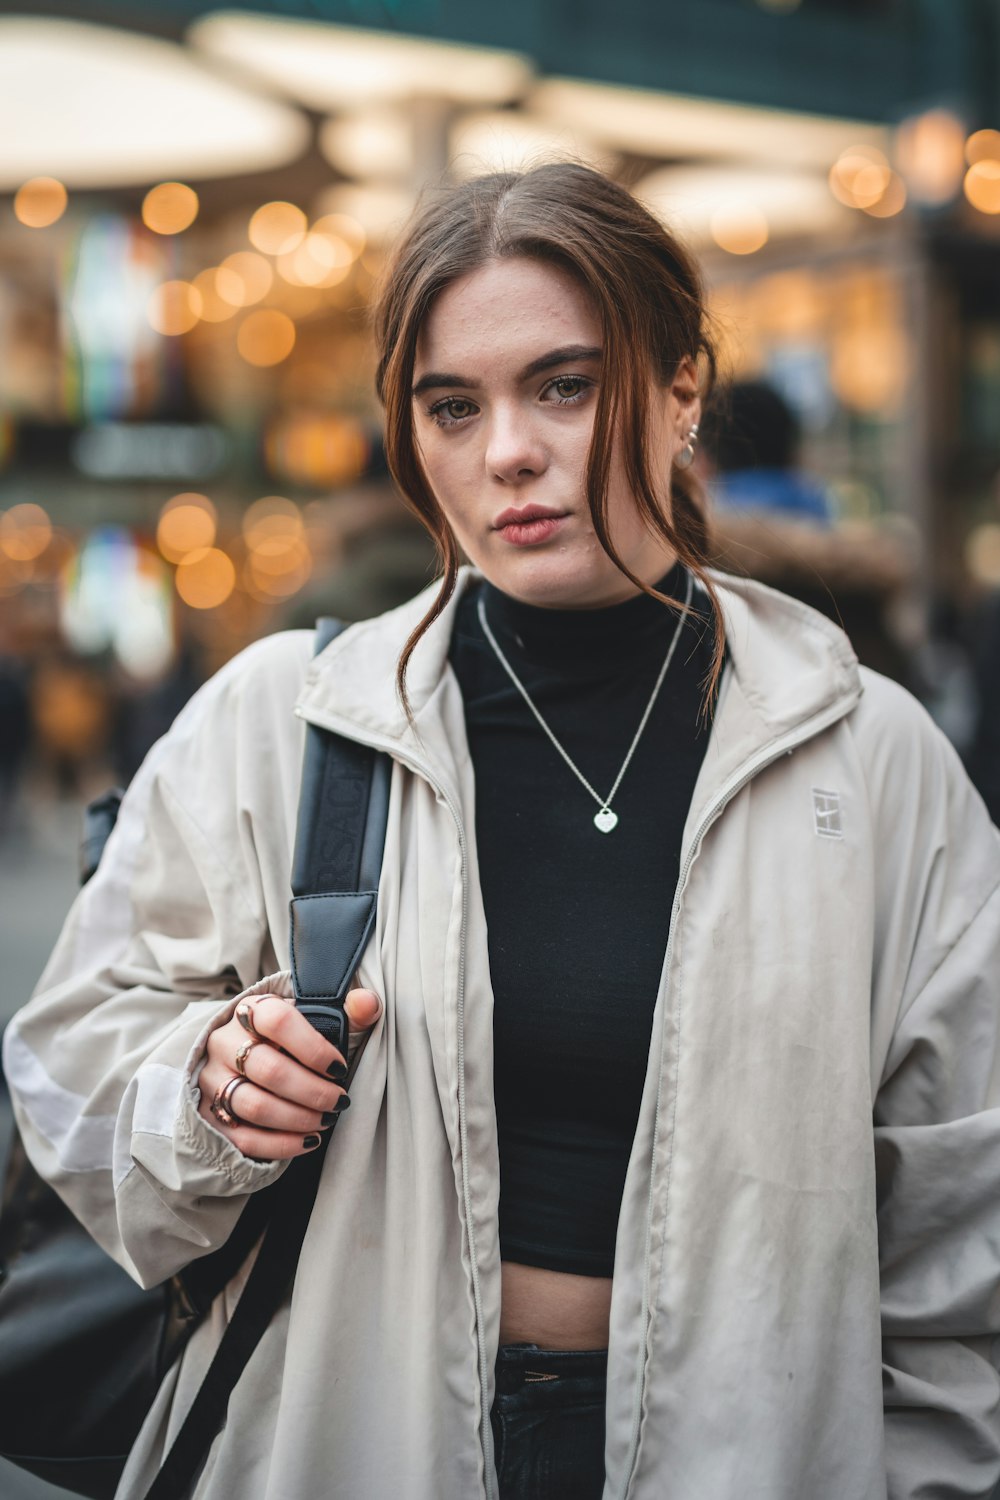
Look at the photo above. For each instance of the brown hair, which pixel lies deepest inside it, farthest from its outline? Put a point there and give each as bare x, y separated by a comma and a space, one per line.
648, 294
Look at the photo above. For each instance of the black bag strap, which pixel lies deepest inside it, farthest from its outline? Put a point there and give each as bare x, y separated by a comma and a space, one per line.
340, 836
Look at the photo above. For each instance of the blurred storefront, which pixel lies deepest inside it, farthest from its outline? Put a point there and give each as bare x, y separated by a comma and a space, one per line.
195, 202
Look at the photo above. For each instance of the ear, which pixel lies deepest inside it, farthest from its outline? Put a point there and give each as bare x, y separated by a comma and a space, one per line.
684, 400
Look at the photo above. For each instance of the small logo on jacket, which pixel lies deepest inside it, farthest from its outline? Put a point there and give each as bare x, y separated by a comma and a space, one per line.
826, 807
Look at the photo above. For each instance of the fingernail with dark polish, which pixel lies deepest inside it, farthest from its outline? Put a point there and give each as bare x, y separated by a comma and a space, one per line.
344, 1102
337, 1071
311, 1141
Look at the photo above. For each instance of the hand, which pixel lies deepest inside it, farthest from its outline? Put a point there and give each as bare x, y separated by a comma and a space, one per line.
294, 1085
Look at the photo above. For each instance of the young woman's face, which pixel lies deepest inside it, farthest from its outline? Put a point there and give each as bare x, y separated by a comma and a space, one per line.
507, 370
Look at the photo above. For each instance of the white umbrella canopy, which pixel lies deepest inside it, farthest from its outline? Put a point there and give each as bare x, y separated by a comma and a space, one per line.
329, 67
98, 107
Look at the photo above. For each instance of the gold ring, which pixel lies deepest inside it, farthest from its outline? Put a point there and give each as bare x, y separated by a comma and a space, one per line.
244, 1014
244, 1052
222, 1104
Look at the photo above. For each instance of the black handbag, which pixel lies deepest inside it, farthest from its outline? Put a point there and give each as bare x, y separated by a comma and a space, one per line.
83, 1348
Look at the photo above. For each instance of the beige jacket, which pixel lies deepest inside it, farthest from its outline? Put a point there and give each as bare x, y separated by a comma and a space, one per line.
803, 1309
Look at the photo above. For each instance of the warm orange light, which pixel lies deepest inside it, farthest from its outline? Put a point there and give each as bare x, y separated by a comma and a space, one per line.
870, 367
343, 227
25, 532
170, 208
269, 517
187, 522
205, 578
984, 145
860, 176
931, 153
320, 260
739, 228
174, 308
277, 572
254, 274
266, 337
277, 228
214, 307
40, 202
982, 186
892, 201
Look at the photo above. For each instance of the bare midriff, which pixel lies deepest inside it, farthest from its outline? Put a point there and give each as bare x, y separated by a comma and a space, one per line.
553, 1309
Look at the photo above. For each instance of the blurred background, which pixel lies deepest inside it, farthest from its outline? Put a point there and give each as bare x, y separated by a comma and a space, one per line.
195, 203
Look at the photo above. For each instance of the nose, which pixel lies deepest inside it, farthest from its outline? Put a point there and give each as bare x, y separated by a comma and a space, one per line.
514, 450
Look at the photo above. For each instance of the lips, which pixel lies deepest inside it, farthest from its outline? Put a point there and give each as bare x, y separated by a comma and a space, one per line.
514, 517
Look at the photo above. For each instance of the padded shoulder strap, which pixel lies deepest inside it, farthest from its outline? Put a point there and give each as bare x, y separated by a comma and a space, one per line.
339, 841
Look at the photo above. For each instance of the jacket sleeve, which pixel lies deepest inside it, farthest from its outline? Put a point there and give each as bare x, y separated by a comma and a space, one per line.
102, 1061
937, 1119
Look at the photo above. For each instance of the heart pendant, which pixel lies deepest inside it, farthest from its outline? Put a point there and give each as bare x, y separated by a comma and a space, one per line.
605, 820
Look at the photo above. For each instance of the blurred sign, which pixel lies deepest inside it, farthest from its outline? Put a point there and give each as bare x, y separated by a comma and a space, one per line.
150, 450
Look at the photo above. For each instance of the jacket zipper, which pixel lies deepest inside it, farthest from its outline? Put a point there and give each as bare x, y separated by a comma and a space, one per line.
783, 747
422, 770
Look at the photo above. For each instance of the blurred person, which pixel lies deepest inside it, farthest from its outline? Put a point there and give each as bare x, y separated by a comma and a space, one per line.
773, 521
755, 449
674, 896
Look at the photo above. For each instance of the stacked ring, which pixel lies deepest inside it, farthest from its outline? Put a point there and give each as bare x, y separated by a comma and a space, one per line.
243, 1053
222, 1104
244, 1014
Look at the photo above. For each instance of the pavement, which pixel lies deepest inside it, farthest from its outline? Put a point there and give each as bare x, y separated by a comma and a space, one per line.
37, 883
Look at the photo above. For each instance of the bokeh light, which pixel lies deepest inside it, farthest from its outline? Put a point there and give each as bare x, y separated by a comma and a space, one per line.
253, 273
187, 522
860, 176
892, 201
266, 337
343, 227
982, 186
931, 152
205, 578
215, 308
277, 228
983, 145
320, 260
739, 228
174, 308
170, 208
279, 561
40, 202
25, 532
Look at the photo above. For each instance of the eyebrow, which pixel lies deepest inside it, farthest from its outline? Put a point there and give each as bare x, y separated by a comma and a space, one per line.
444, 380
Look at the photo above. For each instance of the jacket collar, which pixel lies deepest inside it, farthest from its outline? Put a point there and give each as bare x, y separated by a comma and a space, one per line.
788, 666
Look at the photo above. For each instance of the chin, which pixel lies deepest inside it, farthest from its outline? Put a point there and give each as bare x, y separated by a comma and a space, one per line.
557, 580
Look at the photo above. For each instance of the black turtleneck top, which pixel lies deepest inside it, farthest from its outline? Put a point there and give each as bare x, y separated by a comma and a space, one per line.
577, 919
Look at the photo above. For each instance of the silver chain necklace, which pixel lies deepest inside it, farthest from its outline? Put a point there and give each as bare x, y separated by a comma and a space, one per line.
604, 819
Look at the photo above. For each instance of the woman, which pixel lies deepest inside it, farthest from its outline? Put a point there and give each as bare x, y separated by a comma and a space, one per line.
672, 897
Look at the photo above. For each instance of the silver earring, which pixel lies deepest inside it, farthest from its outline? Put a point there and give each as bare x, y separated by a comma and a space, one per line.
685, 457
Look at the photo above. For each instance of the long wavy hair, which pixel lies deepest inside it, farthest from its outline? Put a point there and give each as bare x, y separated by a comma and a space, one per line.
647, 291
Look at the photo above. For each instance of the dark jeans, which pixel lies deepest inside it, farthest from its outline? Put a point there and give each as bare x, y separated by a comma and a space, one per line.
548, 1423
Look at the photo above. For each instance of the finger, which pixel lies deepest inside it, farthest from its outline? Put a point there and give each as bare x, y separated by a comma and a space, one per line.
278, 1077
252, 1105
279, 1022
363, 1009
265, 1145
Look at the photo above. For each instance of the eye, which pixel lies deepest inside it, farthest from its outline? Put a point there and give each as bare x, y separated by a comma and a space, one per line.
565, 390
451, 410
